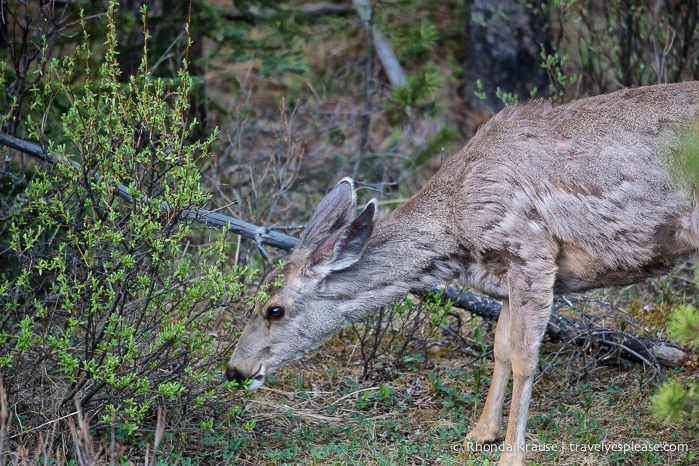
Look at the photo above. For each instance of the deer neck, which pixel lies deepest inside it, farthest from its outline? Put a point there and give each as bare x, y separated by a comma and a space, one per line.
409, 248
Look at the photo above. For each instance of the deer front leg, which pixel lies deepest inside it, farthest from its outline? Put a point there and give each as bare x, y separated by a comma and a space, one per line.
488, 427
531, 298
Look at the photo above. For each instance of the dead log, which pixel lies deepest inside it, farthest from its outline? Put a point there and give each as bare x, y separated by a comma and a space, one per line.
582, 332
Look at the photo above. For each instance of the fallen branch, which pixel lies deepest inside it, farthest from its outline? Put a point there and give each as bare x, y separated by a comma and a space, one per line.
269, 236
583, 333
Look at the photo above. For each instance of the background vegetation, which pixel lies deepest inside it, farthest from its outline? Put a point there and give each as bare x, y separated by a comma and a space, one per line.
119, 311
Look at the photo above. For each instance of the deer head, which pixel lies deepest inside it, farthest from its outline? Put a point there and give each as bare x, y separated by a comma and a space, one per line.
301, 312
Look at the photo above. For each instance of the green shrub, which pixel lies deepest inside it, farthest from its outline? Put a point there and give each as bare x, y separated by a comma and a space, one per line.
109, 296
675, 402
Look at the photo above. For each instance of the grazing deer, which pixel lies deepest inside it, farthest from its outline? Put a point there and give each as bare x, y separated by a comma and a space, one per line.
543, 199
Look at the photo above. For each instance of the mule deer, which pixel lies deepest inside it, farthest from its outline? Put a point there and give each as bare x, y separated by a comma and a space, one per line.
543, 199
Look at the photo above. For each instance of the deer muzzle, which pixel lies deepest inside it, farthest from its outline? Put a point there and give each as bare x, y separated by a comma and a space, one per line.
253, 382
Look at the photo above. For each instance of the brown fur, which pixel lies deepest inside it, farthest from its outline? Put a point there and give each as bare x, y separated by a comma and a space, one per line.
543, 199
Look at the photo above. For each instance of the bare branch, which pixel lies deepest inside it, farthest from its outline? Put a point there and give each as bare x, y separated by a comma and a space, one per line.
581, 333
269, 236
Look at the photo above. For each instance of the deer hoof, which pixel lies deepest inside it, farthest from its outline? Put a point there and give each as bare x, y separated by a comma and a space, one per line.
482, 434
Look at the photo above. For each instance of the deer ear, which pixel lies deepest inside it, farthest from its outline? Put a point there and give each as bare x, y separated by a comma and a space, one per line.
331, 215
343, 248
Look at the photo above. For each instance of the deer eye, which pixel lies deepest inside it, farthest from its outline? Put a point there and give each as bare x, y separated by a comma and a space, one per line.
275, 313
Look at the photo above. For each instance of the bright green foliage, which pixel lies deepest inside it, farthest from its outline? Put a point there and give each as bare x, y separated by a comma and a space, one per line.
675, 402
684, 164
417, 39
559, 80
422, 89
109, 298
684, 326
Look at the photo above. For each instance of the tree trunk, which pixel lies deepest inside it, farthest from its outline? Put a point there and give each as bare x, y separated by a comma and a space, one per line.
502, 47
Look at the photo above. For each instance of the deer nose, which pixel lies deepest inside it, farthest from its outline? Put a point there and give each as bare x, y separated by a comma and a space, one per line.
249, 382
233, 374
